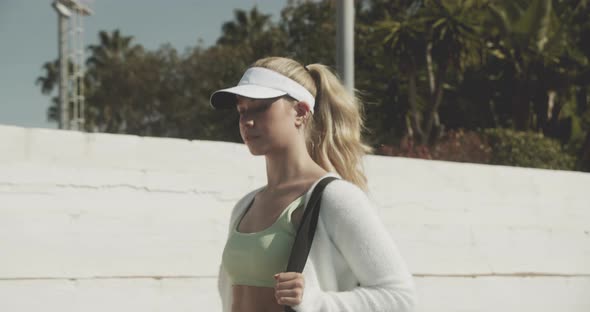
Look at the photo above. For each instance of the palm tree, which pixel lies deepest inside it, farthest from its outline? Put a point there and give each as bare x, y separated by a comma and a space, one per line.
112, 48
253, 33
108, 75
51, 77
453, 42
48, 82
440, 35
246, 26
405, 41
529, 39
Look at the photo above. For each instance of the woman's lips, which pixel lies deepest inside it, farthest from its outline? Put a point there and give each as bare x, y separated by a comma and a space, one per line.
250, 138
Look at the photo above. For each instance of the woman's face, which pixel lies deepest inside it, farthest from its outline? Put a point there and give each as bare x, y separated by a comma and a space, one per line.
266, 125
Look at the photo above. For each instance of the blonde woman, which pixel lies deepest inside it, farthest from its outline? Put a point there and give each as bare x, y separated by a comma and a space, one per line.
307, 126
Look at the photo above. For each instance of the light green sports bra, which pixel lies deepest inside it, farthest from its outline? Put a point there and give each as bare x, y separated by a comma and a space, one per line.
253, 258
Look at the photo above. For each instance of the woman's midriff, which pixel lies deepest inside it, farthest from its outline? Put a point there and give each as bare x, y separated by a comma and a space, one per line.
254, 299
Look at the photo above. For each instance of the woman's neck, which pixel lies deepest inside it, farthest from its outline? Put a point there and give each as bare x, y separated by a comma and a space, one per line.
290, 166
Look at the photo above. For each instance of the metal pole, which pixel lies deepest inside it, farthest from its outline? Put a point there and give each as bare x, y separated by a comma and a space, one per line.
82, 69
71, 88
74, 79
345, 42
63, 73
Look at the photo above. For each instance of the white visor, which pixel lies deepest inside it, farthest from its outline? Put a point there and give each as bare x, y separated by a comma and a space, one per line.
262, 83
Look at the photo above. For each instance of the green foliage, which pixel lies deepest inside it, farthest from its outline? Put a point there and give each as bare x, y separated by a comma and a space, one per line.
404, 40
48, 83
310, 31
527, 149
424, 69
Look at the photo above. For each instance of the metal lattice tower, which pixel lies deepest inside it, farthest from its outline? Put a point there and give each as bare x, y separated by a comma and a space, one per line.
71, 62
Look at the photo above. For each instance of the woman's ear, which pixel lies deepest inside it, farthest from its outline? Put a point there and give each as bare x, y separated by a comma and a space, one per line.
302, 113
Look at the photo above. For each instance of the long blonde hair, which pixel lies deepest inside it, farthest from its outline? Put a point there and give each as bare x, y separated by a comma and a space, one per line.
333, 132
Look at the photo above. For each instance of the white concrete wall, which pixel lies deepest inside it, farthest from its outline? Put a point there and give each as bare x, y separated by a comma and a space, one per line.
99, 222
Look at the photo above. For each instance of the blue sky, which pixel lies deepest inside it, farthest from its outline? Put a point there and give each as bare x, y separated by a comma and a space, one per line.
28, 38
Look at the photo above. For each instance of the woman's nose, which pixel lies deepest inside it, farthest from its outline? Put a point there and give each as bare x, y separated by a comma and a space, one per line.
248, 122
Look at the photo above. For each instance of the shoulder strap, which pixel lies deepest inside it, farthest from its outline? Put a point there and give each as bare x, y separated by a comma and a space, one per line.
306, 230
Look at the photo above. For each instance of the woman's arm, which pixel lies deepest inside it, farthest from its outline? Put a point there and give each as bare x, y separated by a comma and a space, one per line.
356, 230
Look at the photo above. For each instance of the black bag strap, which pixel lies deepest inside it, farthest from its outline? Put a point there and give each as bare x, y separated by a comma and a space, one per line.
306, 231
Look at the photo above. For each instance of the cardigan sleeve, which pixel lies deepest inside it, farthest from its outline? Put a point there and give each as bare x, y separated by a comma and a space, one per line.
366, 245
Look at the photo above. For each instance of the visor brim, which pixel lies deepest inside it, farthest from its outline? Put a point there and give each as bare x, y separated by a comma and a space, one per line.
226, 98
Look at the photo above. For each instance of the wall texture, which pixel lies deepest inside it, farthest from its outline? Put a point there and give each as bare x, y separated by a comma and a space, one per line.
99, 222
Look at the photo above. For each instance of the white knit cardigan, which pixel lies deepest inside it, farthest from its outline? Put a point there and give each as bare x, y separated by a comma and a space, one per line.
353, 265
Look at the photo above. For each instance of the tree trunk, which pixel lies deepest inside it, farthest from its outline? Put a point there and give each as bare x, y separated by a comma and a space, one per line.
413, 101
520, 106
552, 126
435, 100
583, 162
429, 66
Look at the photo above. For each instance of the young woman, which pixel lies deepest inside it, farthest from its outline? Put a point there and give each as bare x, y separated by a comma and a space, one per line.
308, 127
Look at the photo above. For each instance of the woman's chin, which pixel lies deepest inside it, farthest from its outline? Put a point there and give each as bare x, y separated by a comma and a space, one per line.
254, 150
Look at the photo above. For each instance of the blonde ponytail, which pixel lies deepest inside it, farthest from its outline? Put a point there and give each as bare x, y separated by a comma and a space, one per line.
333, 133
